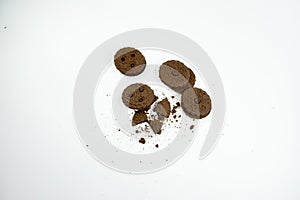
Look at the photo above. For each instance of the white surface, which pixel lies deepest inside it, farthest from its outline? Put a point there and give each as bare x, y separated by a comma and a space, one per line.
255, 47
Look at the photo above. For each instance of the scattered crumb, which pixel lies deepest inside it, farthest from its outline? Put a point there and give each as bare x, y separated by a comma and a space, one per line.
172, 97
156, 146
142, 140
119, 129
137, 131
175, 107
192, 126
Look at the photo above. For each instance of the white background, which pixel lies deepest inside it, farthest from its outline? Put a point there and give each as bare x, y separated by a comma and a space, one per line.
255, 46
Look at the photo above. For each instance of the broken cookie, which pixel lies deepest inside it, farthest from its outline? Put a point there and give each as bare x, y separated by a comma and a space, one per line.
163, 108
139, 117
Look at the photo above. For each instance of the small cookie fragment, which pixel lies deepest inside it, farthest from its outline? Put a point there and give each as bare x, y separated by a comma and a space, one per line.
156, 126
139, 117
163, 108
176, 75
130, 61
175, 107
142, 141
138, 96
196, 103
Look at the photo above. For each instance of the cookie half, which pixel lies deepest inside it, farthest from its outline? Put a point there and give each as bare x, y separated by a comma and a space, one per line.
196, 103
176, 75
130, 61
138, 96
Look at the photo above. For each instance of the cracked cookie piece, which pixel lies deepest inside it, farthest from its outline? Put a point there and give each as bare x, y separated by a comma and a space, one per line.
196, 103
139, 117
138, 96
156, 126
176, 75
130, 61
163, 108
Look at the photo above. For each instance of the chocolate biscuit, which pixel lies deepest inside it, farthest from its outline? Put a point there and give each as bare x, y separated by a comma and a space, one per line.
196, 103
130, 61
138, 96
176, 75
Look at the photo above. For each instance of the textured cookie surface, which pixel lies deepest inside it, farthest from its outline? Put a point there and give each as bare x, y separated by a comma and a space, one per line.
176, 75
138, 96
130, 61
196, 103
156, 126
163, 108
139, 117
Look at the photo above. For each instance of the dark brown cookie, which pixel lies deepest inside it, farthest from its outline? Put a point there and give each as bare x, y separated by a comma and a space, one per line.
163, 108
176, 75
139, 117
156, 126
138, 96
196, 103
130, 61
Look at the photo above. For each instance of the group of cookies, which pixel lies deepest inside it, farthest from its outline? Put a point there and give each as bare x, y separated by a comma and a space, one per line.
195, 102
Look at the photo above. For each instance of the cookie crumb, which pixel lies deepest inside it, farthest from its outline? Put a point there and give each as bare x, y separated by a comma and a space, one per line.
172, 97
137, 131
192, 126
156, 146
175, 107
142, 141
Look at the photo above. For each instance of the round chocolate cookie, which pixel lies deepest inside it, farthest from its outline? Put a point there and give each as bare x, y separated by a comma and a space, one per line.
176, 75
130, 61
138, 96
196, 103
